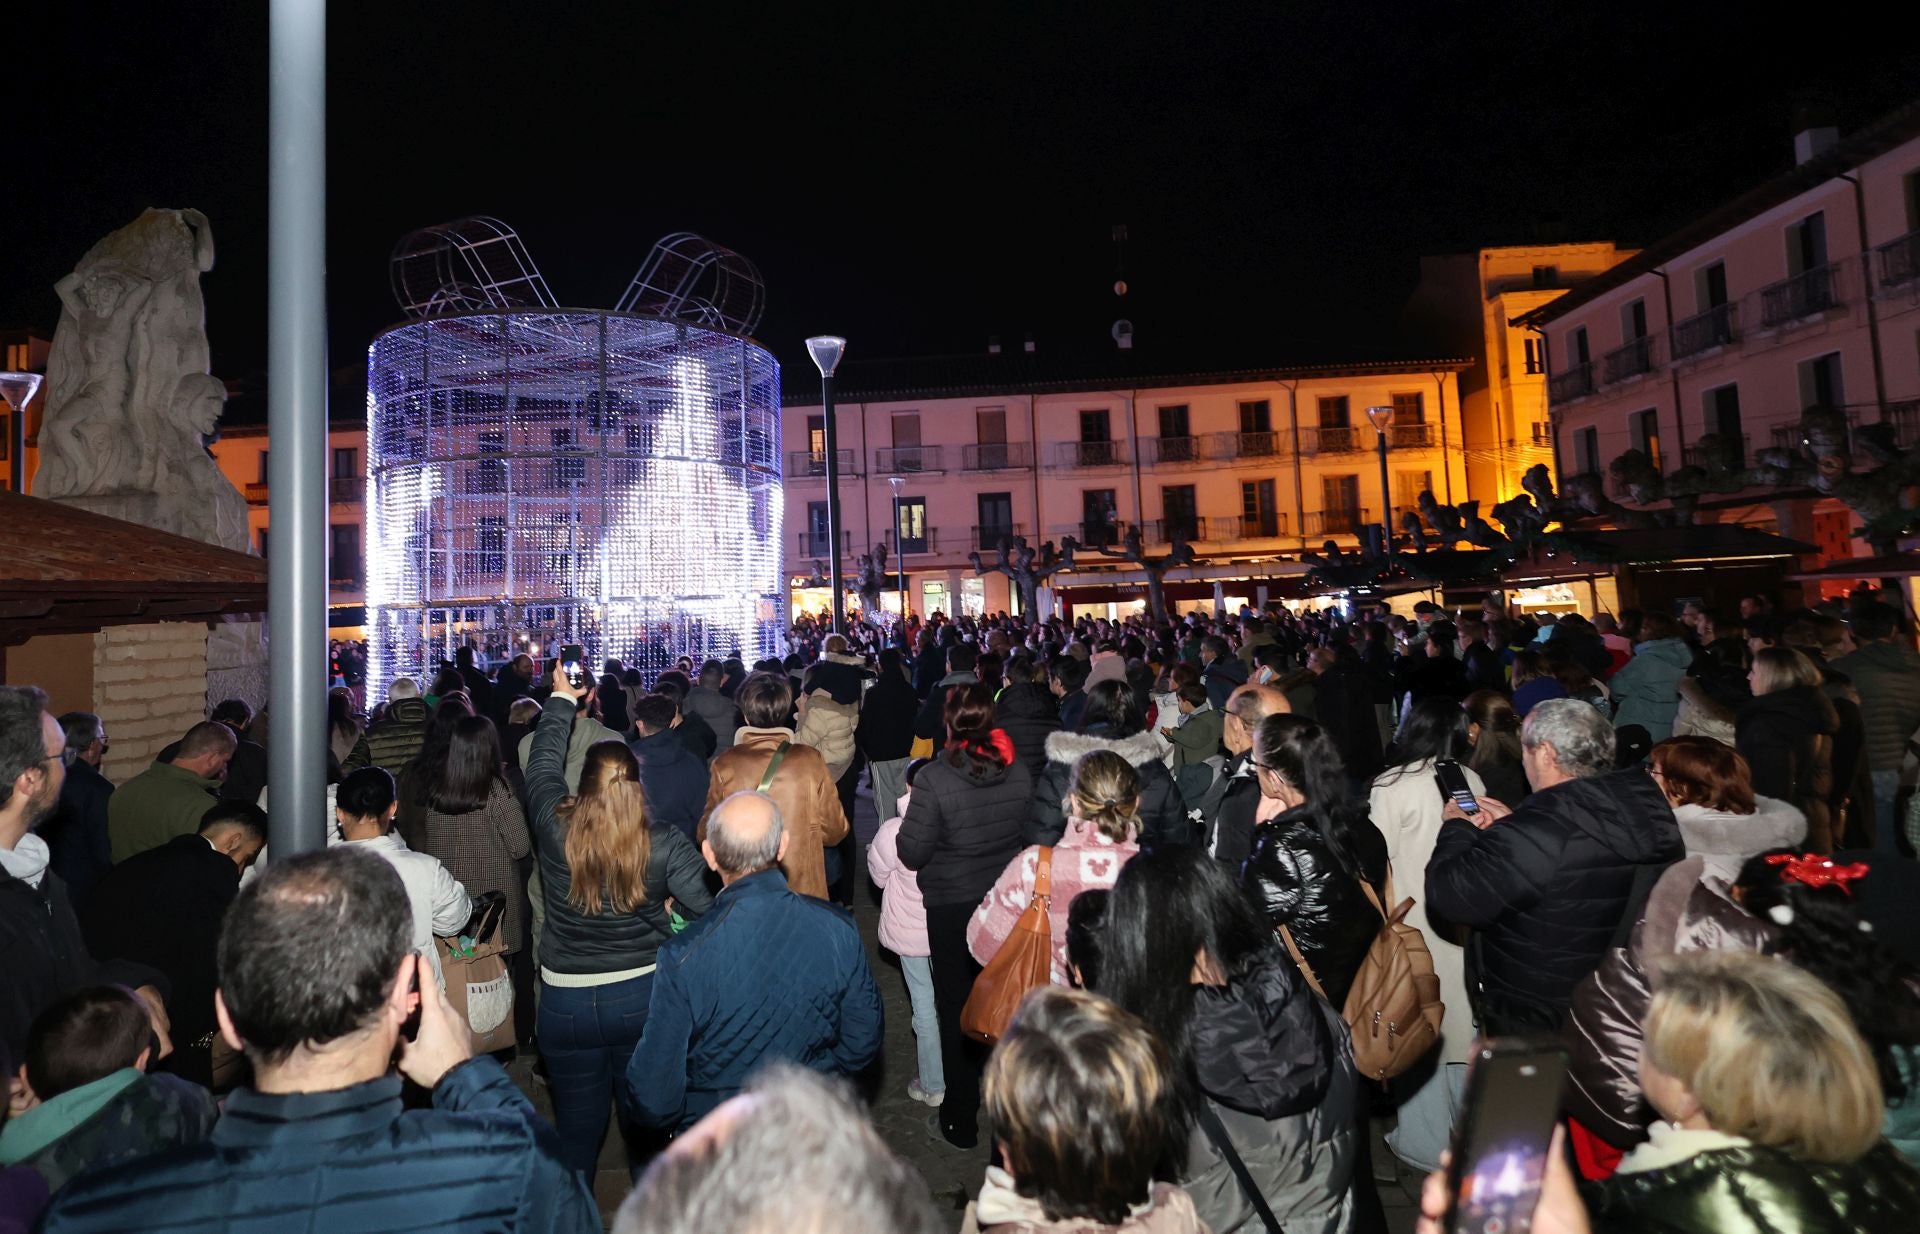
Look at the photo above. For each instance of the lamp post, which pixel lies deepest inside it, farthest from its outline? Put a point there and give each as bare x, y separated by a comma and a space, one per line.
826, 350
1382, 419
900, 555
18, 389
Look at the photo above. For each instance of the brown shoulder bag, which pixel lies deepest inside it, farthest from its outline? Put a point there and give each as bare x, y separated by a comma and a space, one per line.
1024, 962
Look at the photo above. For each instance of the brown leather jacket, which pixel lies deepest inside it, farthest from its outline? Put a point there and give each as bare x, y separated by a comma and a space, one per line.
809, 803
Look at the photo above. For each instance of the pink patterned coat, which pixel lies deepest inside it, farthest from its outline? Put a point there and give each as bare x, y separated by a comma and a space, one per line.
1083, 860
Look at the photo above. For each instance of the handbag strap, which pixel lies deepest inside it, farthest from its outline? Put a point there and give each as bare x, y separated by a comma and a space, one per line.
773, 766
1374, 896
1306, 969
1043, 875
1216, 1132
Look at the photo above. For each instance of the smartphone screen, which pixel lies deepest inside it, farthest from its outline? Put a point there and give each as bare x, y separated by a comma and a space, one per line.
1453, 784
1505, 1132
573, 663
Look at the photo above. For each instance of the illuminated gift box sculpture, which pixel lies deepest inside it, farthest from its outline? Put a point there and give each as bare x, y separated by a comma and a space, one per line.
540, 476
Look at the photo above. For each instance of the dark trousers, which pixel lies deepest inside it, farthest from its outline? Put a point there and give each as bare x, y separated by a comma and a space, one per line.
953, 972
587, 1037
840, 877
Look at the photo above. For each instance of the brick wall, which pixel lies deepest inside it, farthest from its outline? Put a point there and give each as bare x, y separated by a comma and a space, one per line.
149, 687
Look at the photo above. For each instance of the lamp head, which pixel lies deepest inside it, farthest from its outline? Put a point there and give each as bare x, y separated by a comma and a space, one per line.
826, 350
1380, 417
896, 482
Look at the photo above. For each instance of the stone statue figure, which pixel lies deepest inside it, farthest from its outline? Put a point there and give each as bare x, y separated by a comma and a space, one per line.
131, 406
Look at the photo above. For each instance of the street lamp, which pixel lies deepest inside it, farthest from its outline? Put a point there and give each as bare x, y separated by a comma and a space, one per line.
900, 554
826, 350
18, 390
1382, 419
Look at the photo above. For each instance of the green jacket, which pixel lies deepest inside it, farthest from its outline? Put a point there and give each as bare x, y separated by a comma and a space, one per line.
1887, 678
1755, 1190
160, 803
117, 1118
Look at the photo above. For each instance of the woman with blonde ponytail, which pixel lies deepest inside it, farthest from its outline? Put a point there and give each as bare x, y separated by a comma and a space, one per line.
1102, 807
612, 881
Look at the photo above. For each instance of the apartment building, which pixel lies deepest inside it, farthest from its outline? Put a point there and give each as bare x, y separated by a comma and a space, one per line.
242, 454
1469, 304
942, 458
1803, 292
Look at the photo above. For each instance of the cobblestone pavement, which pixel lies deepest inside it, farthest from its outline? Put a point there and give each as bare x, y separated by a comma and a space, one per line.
952, 1175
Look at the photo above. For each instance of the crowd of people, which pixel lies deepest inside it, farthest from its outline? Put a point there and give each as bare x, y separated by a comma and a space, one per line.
1680, 843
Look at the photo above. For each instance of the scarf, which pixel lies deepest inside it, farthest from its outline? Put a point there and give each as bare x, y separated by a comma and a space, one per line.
27, 860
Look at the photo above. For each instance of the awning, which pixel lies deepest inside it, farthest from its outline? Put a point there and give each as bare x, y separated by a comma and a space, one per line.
70, 571
1892, 565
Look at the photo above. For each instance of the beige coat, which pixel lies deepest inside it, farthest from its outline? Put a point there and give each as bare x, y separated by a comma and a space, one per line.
809, 803
1407, 812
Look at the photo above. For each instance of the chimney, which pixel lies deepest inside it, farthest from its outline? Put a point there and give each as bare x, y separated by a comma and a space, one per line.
1813, 130
1123, 334
1029, 343
993, 344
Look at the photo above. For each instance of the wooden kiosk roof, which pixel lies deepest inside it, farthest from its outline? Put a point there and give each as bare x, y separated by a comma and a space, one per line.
70, 571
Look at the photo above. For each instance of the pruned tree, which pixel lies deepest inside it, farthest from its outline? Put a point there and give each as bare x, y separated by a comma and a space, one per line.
869, 582
1026, 568
1133, 548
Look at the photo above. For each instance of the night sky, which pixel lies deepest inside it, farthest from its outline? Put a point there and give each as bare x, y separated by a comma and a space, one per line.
918, 177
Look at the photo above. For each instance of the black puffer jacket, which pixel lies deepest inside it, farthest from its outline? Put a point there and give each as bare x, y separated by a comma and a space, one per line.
1545, 888
603, 942
1756, 1190
963, 826
1027, 715
1297, 881
1787, 737
885, 731
1163, 815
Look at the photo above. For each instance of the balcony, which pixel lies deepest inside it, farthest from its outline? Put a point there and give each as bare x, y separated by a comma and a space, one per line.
1716, 327
906, 460
1696, 455
1331, 439
1269, 526
1632, 360
897, 547
1171, 451
817, 544
1090, 454
1089, 535
997, 456
343, 490
346, 573
1193, 530
1900, 260
1904, 416
1576, 382
1256, 445
1802, 296
1412, 436
804, 463
256, 494
1337, 522
987, 538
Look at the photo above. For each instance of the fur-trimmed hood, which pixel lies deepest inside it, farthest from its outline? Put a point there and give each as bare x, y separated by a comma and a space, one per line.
1139, 749
1724, 841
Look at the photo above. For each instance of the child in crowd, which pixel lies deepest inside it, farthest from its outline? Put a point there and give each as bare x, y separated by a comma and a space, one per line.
903, 931
1080, 1096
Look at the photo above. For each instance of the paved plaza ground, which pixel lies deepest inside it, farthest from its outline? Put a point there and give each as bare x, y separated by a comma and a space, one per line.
952, 1175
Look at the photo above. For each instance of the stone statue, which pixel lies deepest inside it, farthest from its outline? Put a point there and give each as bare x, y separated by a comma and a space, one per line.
131, 406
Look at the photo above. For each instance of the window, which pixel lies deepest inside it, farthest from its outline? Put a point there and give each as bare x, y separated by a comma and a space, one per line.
994, 520
910, 533
262, 539
906, 430
344, 543
568, 468
1099, 518
1820, 384
1710, 285
1340, 492
1173, 421
346, 462
1722, 407
1096, 447
817, 439
1336, 411
1180, 512
817, 543
1536, 355
263, 465
1408, 486
1633, 321
1646, 435
1256, 416
1094, 426
1807, 244
1577, 351
1546, 276
1410, 408
990, 424
1258, 517
1586, 451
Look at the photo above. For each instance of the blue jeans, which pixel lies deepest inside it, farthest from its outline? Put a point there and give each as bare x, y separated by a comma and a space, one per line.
918, 970
587, 1037
1887, 819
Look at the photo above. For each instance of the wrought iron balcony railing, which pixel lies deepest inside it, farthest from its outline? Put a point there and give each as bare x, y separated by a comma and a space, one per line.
802, 464
1802, 296
1331, 439
1163, 530
347, 489
987, 537
1172, 451
1576, 382
817, 544
1631, 360
1337, 522
1090, 454
1900, 260
906, 460
1716, 327
1412, 436
1270, 526
997, 456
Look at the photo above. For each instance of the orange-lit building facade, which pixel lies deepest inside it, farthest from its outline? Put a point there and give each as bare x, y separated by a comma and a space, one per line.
1803, 292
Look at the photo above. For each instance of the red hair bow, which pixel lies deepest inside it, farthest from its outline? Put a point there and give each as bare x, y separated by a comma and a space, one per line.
1813, 870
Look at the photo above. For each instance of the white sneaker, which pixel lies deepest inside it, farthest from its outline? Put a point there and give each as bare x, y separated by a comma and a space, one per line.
923, 1096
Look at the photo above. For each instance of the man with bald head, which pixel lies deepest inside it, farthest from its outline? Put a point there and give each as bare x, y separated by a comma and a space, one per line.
766, 975
1227, 811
